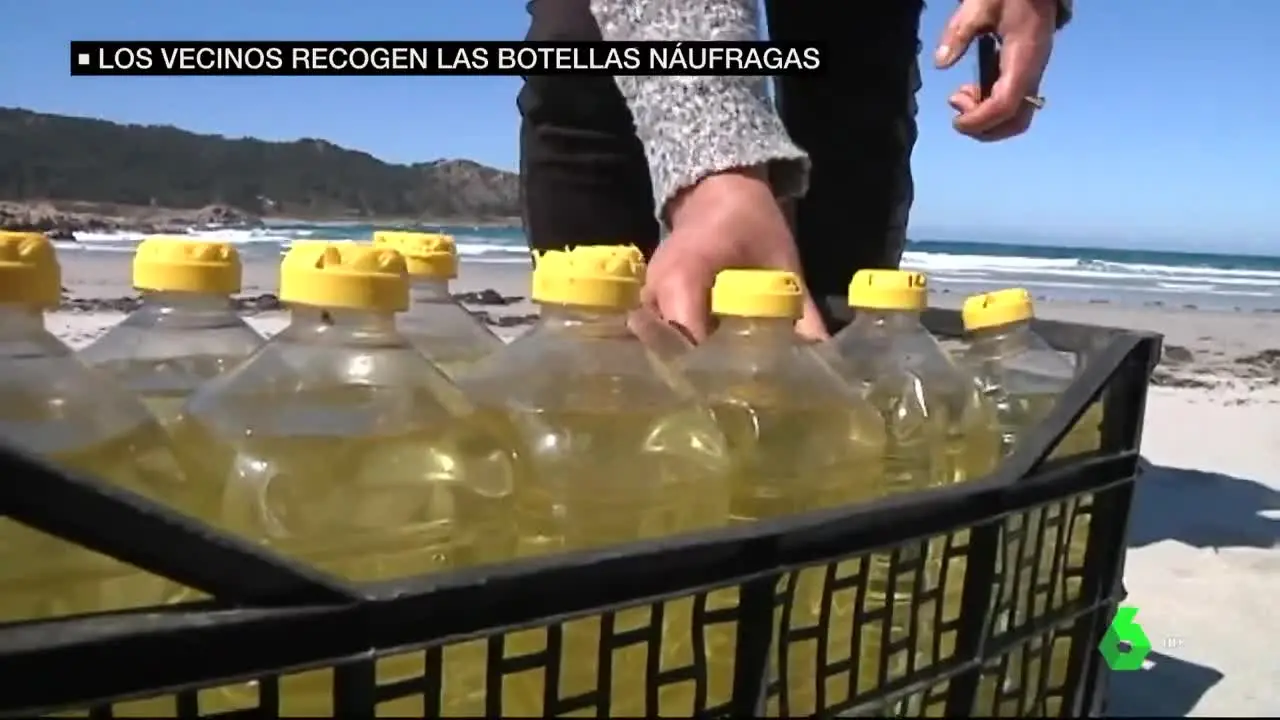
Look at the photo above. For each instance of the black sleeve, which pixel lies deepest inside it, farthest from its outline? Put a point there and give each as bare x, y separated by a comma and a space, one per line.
584, 178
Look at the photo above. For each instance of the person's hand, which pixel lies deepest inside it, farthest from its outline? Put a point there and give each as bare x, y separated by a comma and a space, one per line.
728, 220
1025, 28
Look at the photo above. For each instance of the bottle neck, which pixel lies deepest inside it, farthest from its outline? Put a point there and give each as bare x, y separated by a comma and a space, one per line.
179, 300
756, 327
22, 332
889, 320
309, 323
581, 317
20, 320
184, 310
1005, 339
429, 289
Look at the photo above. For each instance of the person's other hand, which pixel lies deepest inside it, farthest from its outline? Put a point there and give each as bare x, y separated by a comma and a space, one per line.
728, 220
1025, 28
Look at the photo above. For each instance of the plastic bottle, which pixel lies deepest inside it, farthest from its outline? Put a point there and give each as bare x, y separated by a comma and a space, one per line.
1023, 377
340, 444
800, 439
1020, 373
939, 430
437, 325
658, 335
186, 331
620, 449
54, 406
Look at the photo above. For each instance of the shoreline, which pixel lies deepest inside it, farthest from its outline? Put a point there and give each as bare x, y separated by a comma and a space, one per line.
1228, 352
1097, 277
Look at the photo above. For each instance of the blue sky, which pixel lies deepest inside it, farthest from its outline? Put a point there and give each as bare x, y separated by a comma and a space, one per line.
1160, 130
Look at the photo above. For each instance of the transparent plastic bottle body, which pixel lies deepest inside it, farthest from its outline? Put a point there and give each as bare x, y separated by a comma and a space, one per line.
443, 330
800, 439
619, 449
341, 445
925, 397
54, 406
1023, 377
171, 345
939, 431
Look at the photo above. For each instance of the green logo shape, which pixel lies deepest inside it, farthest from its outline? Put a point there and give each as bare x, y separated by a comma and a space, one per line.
1124, 630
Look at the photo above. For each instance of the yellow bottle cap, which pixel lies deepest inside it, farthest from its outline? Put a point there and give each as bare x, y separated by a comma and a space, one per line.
427, 255
997, 308
757, 294
590, 276
888, 290
629, 253
29, 270
543, 285
344, 275
180, 264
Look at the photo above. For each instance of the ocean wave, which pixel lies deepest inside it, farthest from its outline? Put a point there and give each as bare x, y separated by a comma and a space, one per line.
471, 246
1046, 270
1102, 289
970, 265
931, 261
926, 261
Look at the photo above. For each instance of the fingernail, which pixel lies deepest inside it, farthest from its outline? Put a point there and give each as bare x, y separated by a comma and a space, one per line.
942, 55
693, 340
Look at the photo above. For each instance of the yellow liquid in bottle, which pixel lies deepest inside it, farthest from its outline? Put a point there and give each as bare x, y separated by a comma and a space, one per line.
1019, 413
790, 460
915, 458
939, 432
166, 407
972, 452
366, 508
933, 440
42, 576
607, 478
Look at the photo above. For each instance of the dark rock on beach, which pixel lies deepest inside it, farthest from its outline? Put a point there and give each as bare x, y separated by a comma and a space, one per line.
511, 320
252, 304
1164, 378
504, 320
488, 296
119, 304
1177, 355
247, 304
1267, 359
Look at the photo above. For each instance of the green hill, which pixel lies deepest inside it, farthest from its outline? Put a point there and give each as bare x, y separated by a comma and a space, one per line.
59, 159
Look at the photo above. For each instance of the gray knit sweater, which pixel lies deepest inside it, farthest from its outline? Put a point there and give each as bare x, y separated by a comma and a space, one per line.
693, 127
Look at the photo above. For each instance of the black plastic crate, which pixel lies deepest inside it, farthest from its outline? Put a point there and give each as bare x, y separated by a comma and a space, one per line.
983, 638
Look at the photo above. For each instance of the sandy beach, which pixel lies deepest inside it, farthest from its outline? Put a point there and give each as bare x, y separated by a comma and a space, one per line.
1202, 567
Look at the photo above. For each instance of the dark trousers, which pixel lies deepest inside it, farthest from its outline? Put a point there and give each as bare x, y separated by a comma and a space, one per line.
584, 178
